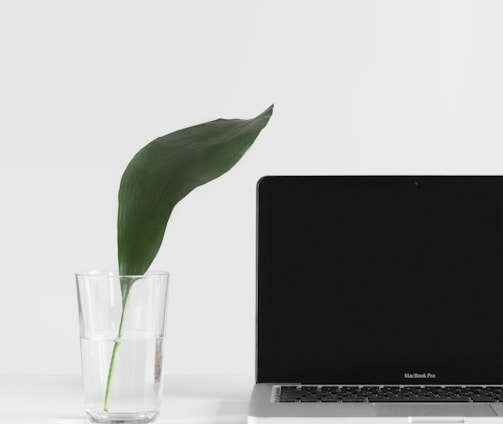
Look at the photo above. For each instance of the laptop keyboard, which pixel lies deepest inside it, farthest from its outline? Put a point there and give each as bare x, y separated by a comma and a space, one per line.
390, 394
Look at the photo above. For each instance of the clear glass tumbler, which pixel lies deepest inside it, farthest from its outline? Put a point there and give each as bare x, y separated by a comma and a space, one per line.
121, 337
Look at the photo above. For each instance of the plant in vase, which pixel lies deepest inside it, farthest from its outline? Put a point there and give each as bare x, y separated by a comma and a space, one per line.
157, 178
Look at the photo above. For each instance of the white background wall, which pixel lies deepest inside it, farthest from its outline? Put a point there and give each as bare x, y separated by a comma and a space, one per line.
359, 87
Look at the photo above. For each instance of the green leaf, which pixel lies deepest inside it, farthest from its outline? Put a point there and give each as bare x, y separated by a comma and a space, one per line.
164, 172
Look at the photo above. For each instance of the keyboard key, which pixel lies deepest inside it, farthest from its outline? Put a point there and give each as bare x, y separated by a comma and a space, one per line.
483, 399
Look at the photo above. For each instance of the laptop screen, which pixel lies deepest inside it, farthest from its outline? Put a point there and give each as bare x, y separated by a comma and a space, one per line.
380, 280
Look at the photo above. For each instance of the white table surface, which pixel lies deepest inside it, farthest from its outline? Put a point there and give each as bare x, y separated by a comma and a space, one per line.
186, 399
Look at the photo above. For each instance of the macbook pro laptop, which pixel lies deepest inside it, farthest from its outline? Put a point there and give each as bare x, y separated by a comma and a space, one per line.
379, 300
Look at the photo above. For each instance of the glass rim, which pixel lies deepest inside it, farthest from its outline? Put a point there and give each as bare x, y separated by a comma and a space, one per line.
116, 274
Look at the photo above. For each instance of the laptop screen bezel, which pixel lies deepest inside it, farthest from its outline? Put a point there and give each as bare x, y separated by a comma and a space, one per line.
262, 375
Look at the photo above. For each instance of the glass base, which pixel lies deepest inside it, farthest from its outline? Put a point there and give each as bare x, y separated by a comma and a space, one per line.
122, 417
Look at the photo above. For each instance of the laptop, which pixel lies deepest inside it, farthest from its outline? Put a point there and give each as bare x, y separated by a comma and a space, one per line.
379, 300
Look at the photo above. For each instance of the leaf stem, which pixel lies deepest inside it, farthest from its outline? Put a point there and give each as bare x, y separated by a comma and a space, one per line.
115, 350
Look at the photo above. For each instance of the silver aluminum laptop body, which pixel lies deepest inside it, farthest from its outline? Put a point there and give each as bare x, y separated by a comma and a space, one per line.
378, 283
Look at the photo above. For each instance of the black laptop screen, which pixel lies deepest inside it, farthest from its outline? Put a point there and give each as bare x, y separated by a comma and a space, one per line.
380, 280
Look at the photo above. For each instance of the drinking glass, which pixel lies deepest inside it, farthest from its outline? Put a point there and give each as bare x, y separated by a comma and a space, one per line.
121, 337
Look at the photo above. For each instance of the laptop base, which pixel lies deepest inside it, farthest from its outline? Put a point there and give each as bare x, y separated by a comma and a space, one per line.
264, 411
